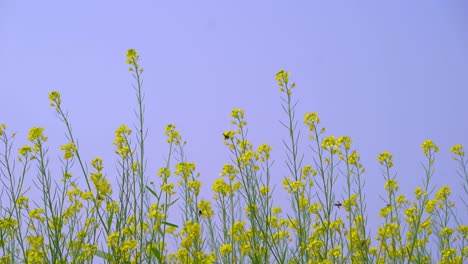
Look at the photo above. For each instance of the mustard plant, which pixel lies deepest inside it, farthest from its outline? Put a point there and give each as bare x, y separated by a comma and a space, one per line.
82, 218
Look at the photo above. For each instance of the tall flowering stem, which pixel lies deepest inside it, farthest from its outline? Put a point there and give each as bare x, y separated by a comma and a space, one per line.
295, 184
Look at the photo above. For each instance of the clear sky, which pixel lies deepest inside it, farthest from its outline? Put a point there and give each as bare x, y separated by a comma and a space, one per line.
390, 74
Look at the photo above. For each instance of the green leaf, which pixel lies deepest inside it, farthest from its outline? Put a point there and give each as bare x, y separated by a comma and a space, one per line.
169, 224
101, 254
152, 191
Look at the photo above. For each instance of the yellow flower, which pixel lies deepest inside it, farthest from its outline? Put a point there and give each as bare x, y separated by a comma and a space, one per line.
55, 99
195, 186
25, 150
276, 210
354, 158
238, 230
345, 141
237, 113
97, 164
168, 188
428, 146
164, 173
205, 208
264, 151
307, 171
225, 249
36, 136
185, 169
173, 135
132, 59
22, 202
121, 141
37, 214
458, 150
264, 190
446, 232
220, 187
385, 158
418, 192
391, 185
311, 120
335, 252
68, 150
2, 128
443, 193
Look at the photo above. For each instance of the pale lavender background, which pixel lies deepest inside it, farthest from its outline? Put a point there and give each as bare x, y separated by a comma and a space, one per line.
390, 74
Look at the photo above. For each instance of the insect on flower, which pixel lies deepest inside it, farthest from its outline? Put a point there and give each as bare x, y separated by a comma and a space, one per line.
226, 135
200, 212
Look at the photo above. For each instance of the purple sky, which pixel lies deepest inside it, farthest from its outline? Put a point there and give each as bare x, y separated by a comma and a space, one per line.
389, 74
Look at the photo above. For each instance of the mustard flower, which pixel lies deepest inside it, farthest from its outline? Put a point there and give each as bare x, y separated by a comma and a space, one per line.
303, 202
237, 113
55, 99
168, 188
238, 230
2, 128
37, 214
195, 186
335, 252
428, 146
22, 202
129, 245
385, 211
206, 210
132, 59
282, 78
25, 150
385, 158
185, 169
330, 143
228, 135
191, 232
311, 120
164, 173
9, 224
430, 206
121, 142
264, 152
34, 253
97, 164
418, 192
307, 171
220, 187
245, 249
457, 150
69, 150
36, 134
225, 249
354, 158
113, 239
112, 207
463, 230
443, 193
401, 199
173, 135
345, 141
154, 213
101, 184
264, 190
230, 171
315, 208
276, 210
391, 185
